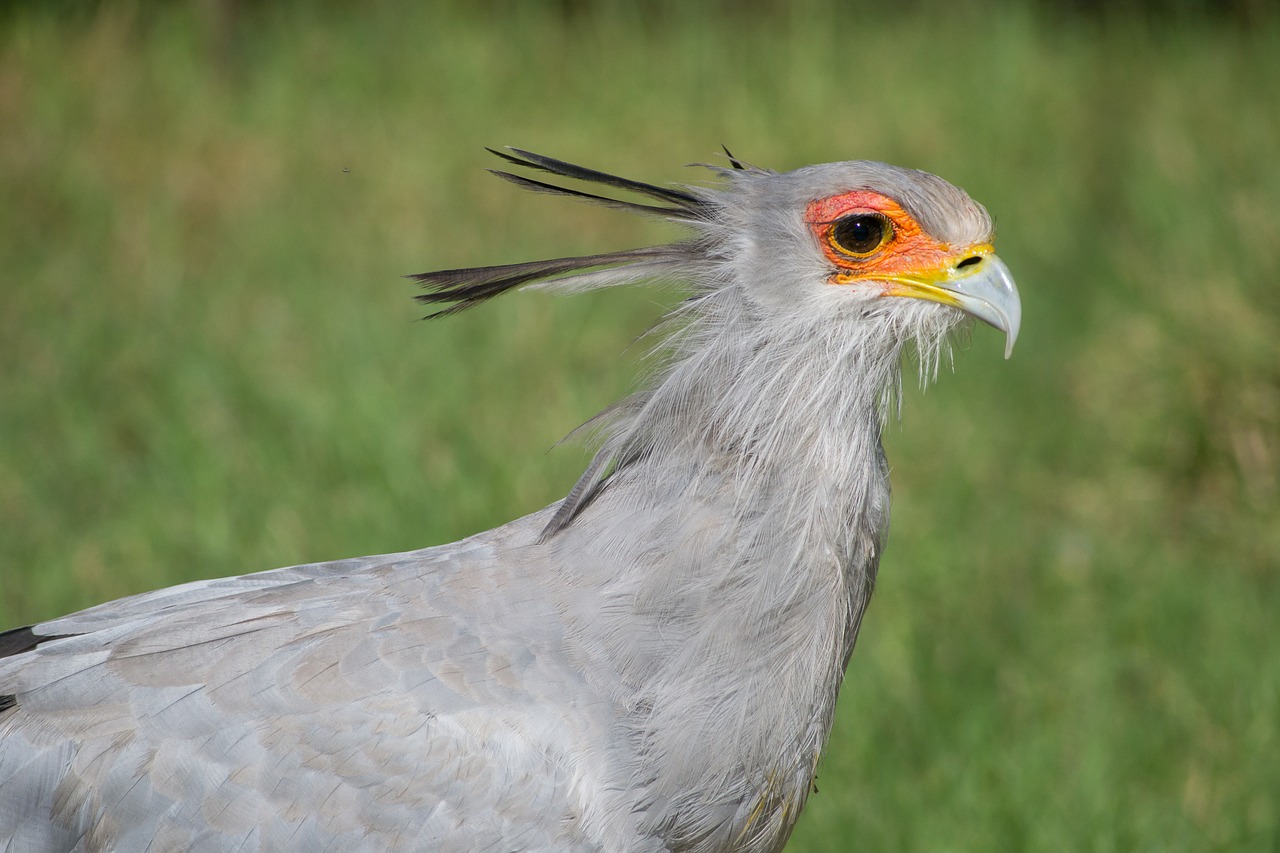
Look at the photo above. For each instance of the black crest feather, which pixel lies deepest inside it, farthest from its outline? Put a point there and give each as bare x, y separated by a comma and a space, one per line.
530, 160
459, 289
465, 288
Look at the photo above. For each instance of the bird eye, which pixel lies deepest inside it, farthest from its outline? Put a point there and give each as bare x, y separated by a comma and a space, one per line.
860, 234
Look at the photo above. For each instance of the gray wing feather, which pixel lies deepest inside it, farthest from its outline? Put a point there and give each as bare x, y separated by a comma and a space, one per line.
351, 705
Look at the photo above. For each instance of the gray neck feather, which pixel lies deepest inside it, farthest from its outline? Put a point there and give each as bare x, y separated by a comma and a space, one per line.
732, 551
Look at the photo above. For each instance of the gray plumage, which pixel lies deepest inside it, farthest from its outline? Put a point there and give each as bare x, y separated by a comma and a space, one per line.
651, 664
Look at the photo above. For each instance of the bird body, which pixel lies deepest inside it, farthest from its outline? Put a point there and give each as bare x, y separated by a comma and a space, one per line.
650, 664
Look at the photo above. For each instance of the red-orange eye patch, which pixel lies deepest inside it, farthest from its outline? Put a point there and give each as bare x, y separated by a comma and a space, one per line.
844, 226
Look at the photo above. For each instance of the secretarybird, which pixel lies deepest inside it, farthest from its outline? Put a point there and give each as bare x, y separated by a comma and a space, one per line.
649, 664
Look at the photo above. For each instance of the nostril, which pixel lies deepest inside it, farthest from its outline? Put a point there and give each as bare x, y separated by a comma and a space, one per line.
968, 262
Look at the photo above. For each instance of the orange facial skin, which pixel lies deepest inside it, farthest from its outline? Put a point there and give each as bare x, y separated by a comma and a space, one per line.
909, 253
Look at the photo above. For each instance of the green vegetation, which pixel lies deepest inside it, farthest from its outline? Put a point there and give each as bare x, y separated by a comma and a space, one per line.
208, 365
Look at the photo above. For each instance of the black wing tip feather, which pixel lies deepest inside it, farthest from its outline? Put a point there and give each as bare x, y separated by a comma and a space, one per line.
19, 640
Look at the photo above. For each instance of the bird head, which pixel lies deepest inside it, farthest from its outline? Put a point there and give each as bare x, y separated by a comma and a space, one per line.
856, 239
862, 237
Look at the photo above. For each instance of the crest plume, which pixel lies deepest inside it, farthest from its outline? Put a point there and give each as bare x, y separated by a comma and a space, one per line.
459, 289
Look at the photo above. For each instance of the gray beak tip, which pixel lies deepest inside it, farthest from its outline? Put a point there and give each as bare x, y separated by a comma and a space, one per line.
990, 295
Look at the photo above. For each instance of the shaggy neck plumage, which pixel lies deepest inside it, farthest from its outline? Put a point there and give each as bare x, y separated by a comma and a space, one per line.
746, 519
789, 414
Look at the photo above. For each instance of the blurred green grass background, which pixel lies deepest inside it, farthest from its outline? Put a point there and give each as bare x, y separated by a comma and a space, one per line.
208, 365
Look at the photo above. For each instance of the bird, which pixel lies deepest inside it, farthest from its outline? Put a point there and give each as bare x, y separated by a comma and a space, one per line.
649, 664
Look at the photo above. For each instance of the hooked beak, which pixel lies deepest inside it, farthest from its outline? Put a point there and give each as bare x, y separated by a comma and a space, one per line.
979, 284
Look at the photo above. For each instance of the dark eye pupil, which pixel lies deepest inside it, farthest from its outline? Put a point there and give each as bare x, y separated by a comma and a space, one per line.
859, 234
